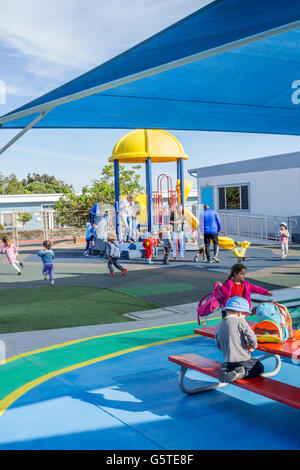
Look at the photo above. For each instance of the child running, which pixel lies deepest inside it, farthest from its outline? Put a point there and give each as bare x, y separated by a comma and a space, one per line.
114, 255
284, 239
11, 252
47, 256
236, 340
236, 285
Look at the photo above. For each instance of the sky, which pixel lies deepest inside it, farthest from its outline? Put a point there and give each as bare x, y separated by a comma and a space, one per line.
45, 44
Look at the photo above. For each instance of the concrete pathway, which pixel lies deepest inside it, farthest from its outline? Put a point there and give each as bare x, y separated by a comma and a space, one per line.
18, 343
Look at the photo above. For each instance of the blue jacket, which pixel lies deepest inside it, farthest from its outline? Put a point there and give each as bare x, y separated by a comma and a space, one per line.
94, 210
209, 222
89, 232
47, 256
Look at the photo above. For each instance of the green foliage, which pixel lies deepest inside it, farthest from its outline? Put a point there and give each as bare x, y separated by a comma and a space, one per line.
43, 184
74, 210
24, 217
32, 184
11, 185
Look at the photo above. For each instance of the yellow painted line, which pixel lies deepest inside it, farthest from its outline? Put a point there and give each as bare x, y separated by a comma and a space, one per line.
12, 397
69, 343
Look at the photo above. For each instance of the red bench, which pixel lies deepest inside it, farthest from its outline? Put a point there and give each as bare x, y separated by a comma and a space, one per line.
270, 388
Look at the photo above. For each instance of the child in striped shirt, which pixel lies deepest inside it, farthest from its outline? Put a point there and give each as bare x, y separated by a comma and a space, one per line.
11, 252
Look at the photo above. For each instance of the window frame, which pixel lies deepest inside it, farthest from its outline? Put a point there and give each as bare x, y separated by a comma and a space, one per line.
234, 185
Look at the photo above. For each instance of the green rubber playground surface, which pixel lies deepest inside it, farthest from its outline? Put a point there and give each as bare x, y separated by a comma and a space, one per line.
27, 368
61, 307
155, 289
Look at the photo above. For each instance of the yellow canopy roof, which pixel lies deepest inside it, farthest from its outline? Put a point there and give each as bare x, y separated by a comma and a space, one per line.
138, 145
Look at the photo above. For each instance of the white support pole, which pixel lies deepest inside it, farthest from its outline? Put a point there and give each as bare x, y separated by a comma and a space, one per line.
23, 131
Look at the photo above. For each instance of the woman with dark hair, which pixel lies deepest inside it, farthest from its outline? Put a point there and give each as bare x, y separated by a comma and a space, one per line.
236, 285
177, 222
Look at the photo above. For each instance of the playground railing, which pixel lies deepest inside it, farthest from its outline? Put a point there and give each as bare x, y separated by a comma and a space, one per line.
265, 228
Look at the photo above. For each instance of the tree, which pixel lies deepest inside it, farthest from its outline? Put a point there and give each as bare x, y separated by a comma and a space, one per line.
11, 185
24, 217
44, 183
74, 210
33, 184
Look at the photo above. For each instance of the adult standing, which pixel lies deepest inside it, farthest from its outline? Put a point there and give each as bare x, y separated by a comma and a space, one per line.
210, 225
177, 223
95, 211
126, 212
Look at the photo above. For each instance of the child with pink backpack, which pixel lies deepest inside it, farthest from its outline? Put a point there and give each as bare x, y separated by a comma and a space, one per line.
234, 286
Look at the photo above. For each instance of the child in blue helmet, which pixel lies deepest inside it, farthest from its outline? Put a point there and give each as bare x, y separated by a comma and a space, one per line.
236, 340
90, 231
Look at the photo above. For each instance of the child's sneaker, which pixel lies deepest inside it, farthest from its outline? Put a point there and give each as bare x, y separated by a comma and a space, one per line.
124, 271
19, 273
51, 283
112, 274
226, 376
21, 264
216, 259
196, 259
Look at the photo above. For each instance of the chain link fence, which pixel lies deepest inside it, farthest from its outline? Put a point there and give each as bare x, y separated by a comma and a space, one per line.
46, 225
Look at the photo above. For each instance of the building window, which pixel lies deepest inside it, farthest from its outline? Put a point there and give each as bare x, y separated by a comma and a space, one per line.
234, 197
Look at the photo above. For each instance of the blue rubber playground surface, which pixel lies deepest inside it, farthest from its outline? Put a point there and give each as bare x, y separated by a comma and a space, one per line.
115, 389
132, 400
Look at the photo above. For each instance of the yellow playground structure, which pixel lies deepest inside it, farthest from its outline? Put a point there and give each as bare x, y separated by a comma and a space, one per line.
157, 146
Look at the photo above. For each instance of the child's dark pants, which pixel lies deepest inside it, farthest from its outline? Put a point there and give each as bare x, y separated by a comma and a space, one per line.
167, 250
114, 262
253, 367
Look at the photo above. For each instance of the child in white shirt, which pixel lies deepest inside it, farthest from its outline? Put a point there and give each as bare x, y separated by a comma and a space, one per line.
284, 240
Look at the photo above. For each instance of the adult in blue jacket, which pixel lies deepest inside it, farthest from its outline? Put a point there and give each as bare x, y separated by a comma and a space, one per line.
95, 210
210, 225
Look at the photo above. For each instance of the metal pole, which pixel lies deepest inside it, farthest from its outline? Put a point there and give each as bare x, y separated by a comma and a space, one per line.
181, 181
23, 131
117, 196
178, 174
149, 192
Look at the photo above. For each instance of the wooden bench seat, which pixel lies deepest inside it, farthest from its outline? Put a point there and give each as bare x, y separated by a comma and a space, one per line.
270, 388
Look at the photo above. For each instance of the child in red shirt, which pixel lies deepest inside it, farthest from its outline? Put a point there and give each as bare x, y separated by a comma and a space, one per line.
236, 285
148, 245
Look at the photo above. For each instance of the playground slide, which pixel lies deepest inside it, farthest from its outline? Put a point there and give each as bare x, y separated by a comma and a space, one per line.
224, 242
191, 219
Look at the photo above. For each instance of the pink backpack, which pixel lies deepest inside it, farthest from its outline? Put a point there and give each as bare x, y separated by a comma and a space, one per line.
209, 303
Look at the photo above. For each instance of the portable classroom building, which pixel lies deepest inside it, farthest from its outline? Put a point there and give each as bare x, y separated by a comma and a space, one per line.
253, 196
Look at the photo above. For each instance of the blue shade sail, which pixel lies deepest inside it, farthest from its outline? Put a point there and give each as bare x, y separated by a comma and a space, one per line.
231, 66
